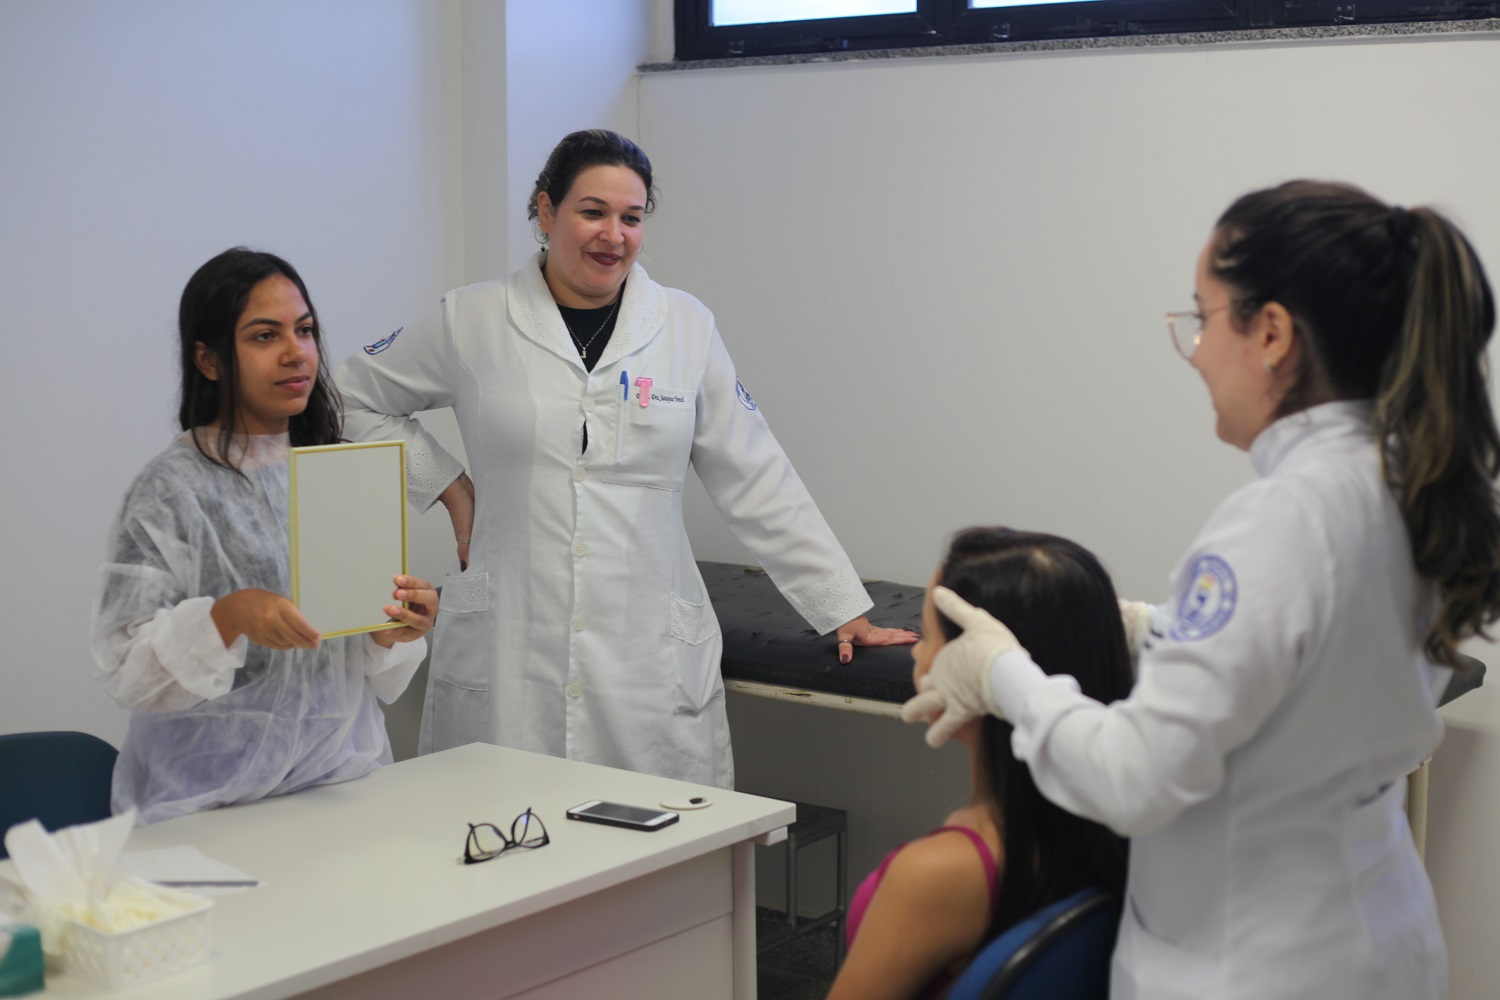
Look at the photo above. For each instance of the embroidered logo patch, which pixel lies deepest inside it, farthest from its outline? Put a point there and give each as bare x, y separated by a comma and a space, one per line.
1209, 603
384, 342
745, 400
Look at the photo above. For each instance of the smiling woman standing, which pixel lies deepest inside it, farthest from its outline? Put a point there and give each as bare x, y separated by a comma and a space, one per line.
579, 625
1291, 680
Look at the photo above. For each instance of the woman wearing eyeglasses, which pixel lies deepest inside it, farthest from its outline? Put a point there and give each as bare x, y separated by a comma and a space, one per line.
1289, 683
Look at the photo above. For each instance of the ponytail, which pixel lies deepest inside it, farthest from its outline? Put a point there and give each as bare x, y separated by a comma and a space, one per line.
1392, 306
1433, 411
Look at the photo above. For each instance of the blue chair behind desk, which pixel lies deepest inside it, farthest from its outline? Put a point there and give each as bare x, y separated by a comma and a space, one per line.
1062, 952
61, 779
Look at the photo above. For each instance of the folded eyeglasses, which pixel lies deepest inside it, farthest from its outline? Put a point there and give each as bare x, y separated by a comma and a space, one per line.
486, 843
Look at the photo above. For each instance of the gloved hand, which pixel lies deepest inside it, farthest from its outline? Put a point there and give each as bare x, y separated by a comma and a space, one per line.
957, 689
1136, 617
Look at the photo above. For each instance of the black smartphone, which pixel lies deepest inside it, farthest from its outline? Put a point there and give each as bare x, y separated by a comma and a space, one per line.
616, 814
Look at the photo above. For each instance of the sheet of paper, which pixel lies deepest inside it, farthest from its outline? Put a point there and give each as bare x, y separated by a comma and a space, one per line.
348, 533
184, 868
188, 869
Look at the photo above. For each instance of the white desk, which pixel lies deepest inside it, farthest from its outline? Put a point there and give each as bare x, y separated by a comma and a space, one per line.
365, 895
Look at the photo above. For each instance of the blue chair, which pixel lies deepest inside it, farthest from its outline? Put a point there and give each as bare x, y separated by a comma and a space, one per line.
1061, 952
61, 779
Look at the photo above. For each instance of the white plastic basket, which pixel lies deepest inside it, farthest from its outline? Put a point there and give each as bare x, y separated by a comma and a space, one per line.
142, 955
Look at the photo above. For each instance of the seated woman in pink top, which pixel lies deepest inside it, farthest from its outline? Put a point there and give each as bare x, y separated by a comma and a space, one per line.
919, 918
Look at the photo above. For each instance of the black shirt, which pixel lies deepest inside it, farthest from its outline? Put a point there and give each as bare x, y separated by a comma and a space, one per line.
591, 329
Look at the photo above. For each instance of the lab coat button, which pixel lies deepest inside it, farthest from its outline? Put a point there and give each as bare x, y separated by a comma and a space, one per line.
580, 549
575, 690
579, 624
580, 474
588, 406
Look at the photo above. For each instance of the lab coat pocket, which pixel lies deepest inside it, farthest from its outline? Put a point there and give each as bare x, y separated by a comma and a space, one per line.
654, 442
1148, 967
458, 683
461, 649
696, 651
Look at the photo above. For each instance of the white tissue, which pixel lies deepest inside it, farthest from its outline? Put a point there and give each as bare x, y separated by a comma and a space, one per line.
72, 874
130, 904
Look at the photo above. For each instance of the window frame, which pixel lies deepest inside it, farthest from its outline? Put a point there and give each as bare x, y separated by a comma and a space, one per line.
938, 23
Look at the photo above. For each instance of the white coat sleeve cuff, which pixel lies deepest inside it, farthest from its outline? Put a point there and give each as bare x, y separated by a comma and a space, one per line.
835, 600
429, 471
388, 671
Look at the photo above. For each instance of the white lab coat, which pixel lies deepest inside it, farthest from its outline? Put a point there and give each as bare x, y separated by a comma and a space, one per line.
581, 627
1259, 763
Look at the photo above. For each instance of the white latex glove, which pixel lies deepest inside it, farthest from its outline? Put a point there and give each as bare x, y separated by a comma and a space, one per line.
957, 689
1136, 617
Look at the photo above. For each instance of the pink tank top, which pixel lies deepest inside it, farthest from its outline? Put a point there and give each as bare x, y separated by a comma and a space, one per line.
866, 892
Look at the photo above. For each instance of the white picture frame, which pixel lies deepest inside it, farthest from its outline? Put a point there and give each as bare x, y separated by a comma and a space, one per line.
347, 533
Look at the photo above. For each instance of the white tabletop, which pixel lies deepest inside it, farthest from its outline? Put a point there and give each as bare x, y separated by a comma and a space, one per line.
368, 872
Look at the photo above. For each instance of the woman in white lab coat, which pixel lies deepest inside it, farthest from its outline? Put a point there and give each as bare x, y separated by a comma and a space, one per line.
579, 625
1289, 684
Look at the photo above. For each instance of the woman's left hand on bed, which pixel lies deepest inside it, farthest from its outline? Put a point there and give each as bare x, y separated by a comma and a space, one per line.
860, 632
417, 617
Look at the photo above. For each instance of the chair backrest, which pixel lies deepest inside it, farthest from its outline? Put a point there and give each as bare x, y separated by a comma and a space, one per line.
61, 779
1061, 952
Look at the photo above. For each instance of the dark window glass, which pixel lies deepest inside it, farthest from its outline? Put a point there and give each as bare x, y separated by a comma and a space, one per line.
717, 29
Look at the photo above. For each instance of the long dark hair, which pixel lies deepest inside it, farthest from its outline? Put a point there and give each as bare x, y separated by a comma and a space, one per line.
1058, 600
577, 152
1393, 306
211, 306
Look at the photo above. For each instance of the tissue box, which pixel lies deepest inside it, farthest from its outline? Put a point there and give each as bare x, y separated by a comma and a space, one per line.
143, 954
22, 970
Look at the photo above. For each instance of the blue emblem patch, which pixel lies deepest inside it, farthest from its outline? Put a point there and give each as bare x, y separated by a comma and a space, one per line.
384, 342
745, 400
1209, 603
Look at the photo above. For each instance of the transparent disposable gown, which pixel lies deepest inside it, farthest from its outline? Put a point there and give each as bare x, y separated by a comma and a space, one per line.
212, 726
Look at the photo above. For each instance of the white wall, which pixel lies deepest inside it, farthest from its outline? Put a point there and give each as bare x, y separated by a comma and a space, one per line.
944, 280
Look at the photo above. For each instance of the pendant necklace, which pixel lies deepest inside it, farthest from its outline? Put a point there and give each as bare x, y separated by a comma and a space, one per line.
583, 347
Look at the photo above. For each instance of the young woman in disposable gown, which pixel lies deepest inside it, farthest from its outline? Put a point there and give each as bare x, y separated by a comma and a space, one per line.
584, 390
1290, 682
233, 696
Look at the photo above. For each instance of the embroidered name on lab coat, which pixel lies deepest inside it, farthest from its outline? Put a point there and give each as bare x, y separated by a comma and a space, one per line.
666, 396
383, 342
1209, 602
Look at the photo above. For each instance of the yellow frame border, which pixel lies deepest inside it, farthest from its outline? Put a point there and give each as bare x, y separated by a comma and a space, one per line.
292, 518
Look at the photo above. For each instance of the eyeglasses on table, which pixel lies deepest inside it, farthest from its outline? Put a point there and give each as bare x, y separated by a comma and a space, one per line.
486, 842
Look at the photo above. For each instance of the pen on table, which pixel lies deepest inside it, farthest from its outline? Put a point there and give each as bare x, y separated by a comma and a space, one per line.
184, 883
